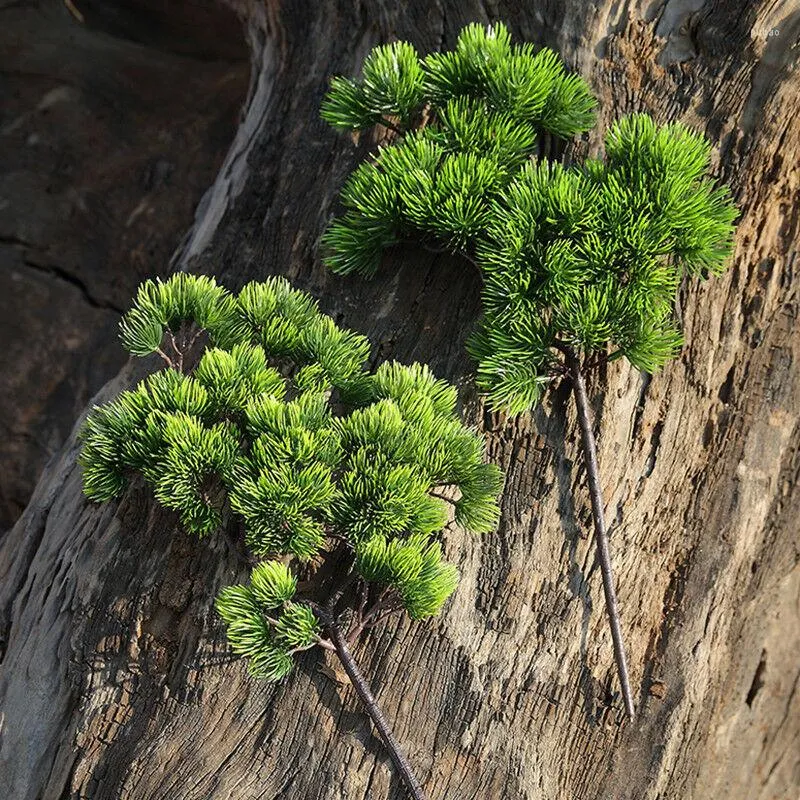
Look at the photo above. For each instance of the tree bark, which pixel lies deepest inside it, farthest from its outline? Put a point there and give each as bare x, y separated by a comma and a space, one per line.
115, 681
110, 133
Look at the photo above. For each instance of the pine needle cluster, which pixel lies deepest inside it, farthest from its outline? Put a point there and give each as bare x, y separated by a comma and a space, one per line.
467, 119
264, 622
588, 256
280, 425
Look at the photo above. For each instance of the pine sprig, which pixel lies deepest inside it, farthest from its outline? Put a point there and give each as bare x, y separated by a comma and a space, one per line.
278, 424
264, 623
579, 263
589, 255
594, 255
413, 568
162, 306
391, 86
485, 102
189, 458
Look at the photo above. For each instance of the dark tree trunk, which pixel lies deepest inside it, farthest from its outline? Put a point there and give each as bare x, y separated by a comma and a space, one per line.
115, 682
110, 132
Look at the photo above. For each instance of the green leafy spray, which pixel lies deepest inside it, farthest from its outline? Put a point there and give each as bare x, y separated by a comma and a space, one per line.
265, 417
580, 263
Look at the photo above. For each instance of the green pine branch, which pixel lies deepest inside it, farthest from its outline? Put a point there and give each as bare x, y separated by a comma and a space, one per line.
591, 254
265, 413
576, 261
276, 422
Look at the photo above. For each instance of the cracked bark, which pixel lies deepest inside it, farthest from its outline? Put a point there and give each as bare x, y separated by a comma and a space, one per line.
115, 681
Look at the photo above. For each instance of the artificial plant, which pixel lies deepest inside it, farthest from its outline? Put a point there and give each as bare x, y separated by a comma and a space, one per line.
264, 420
580, 263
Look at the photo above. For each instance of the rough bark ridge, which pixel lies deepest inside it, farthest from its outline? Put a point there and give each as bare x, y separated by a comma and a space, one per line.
114, 682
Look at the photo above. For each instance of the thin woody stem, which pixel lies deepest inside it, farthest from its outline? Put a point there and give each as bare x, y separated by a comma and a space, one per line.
366, 619
370, 704
462, 253
385, 612
363, 598
173, 342
165, 357
601, 535
351, 578
194, 338
390, 125
179, 363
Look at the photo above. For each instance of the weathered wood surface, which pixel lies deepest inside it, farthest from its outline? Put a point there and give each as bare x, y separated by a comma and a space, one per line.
113, 683
109, 135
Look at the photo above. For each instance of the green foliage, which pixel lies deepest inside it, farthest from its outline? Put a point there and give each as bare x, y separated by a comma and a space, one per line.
160, 306
415, 568
391, 86
232, 378
282, 508
273, 584
484, 66
278, 424
190, 457
589, 256
264, 623
594, 255
485, 103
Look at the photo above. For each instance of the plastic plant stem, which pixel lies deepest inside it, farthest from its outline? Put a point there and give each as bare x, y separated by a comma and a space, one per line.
600, 533
370, 704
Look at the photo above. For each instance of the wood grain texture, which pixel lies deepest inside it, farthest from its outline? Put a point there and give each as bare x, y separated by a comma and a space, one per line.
115, 683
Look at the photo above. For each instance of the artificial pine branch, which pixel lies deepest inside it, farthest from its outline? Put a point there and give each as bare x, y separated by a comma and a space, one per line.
576, 261
278, 423
340, 643
600, 532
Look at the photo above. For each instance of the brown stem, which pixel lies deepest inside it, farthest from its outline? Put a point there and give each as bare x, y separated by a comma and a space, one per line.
166, 358
462, 253
370, 704
194, 338
391, 126
178, 351
601, 535
366, 619
172, 342
385, 611
362, 600
351, 578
